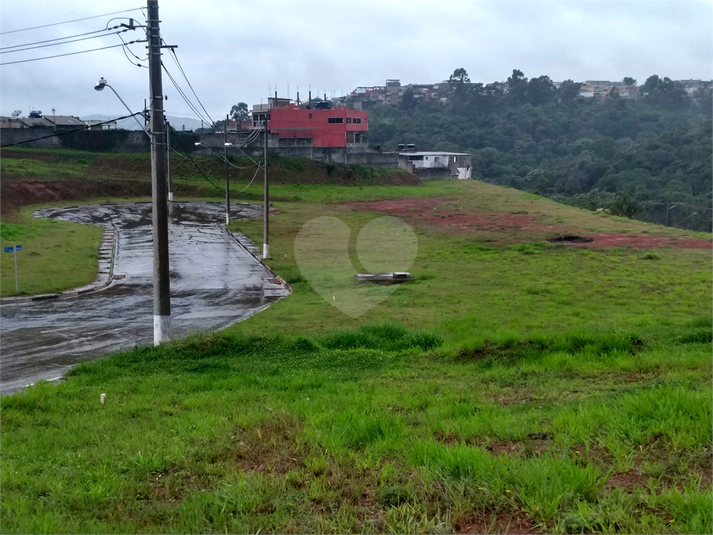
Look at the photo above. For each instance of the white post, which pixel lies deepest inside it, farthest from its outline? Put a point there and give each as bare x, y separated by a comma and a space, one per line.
14, 253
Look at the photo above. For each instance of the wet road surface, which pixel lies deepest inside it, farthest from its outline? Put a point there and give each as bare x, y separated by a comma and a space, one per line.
215, 282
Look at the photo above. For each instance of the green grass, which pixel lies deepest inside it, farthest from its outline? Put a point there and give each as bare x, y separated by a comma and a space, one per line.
511, 386
55, 255
298, 434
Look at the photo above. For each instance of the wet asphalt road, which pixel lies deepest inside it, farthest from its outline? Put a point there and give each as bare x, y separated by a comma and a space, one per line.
215, 282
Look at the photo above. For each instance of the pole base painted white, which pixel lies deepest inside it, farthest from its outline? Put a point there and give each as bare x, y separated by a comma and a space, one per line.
265, 250
161, 329
227, 219
170, 196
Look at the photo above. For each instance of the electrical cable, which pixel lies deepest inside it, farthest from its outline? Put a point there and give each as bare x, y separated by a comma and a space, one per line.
65, 132
175, 58
68, 21
70, 53
63, 43
191, 105
130, 21
251, 180
59, 38
188, 157
185, 97
222, 158
195, 110
126, 48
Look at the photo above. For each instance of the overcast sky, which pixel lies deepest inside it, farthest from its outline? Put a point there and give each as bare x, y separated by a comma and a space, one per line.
238, 50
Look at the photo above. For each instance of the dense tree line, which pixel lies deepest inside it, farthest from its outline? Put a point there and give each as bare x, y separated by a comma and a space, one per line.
632, 156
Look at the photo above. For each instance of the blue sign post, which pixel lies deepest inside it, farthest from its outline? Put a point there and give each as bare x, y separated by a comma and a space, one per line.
13, 249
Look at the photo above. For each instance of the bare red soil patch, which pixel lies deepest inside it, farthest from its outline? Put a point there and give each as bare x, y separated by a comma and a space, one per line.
492, 223
504, 522
645, 241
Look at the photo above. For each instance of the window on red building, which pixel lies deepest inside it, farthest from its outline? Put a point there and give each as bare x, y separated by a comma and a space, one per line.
337, 120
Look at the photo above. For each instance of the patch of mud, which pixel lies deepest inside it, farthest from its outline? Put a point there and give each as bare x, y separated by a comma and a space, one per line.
269, 447
646, 241
505, 227
502, 522
570, 238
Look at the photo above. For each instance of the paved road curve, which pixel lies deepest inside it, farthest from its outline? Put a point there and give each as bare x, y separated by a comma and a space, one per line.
215, 282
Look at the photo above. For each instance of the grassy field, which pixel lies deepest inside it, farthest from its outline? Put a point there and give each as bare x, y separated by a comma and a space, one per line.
515, 386
55, 255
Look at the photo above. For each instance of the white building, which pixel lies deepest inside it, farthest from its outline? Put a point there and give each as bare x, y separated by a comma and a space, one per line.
437, 164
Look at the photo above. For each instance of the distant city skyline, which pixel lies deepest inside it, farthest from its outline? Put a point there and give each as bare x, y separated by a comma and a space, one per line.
242, 52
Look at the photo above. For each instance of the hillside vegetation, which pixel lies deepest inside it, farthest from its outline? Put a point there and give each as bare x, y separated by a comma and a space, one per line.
515, 386
633, 157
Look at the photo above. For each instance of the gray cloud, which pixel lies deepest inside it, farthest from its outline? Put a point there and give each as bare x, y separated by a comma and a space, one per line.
234, 51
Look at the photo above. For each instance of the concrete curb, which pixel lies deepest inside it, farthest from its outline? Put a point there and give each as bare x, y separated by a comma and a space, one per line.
272, 288
105, 273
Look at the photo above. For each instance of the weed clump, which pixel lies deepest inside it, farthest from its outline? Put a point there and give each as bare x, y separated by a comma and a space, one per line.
393, 495
387, 336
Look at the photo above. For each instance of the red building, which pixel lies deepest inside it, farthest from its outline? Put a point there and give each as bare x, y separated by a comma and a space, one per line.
334, 127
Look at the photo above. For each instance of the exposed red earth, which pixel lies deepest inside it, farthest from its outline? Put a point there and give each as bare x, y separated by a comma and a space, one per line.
425, 209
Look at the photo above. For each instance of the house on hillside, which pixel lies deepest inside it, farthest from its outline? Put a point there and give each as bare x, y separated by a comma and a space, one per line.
64, 122
427, 165
313, 125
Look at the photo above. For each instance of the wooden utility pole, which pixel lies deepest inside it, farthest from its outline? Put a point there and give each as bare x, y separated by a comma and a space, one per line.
227, 180
161, 283
168, 161
266, 215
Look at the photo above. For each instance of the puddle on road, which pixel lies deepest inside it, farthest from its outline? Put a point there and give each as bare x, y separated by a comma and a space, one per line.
215, 282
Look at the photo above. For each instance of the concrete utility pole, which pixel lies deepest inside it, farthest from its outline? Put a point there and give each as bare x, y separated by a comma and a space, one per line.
266, 215
168, 161
161, 283
227, 180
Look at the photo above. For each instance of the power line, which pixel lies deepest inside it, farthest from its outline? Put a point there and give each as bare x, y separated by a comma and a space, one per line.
222, 158
65, 132
71, 53
188, 157
65, 42
252, 179
126, 48
175, 58
185, 97
59, 38
68, 21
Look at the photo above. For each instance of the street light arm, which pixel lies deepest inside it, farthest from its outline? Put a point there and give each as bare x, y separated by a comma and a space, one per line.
127, 108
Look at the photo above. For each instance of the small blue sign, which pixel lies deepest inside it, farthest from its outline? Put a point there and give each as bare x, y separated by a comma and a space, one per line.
12, 248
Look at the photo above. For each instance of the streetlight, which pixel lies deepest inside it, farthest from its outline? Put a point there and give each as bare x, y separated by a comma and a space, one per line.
225, 155
101, 84
227, 182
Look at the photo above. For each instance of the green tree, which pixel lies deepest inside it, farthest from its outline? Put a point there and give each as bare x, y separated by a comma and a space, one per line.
239, 112
628, 80
626, 206
568, 91
517, 87
459, 76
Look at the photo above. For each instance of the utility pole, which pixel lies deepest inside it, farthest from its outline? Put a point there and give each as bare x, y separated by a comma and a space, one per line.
168, 161
161, 283
227, 180
266, 215
668, 207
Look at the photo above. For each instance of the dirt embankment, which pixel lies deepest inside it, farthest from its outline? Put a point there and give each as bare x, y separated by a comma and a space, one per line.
33, 177
506, 227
